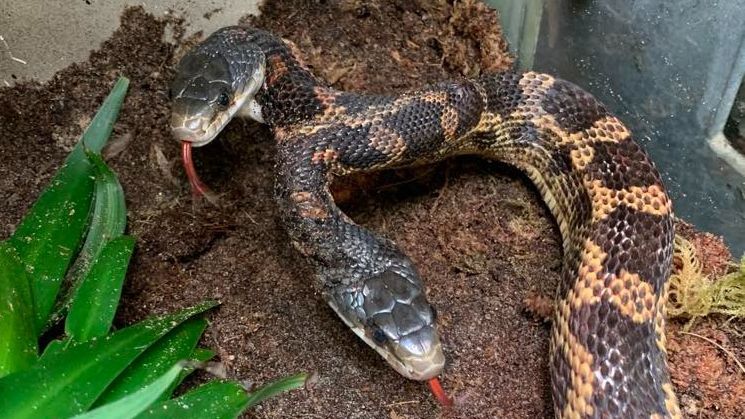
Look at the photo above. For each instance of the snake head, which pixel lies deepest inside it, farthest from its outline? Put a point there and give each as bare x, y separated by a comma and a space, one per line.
390, 313
215, 81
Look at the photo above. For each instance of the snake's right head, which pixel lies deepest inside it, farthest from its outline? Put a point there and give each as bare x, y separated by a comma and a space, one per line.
391, 314
215, 80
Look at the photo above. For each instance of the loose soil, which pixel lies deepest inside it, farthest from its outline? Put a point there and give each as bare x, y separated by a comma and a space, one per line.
478, 231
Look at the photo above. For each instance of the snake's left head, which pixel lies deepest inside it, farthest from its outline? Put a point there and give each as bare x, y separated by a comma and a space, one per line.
214, 81
391, 314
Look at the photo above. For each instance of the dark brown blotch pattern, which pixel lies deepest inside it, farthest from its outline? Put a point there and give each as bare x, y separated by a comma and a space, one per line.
626, 359
636, 242
418, 123
574, 109
356, 104
621, 165
503, 93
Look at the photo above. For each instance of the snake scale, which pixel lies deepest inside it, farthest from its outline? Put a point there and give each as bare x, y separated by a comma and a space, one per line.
607, 350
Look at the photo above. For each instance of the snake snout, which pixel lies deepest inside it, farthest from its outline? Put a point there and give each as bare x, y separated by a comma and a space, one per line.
193, 121
188, 129
391, 314
421, 354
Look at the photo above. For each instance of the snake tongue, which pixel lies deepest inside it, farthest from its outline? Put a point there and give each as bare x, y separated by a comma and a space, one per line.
198, 188
439, 393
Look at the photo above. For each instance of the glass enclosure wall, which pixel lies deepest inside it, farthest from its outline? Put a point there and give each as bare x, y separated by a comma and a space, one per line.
669, 69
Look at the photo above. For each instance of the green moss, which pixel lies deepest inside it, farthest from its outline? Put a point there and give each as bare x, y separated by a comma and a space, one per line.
693, 294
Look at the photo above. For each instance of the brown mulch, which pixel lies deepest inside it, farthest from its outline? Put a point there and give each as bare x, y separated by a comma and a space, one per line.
478, 231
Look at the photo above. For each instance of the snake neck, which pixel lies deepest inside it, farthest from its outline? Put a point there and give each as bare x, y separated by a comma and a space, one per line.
290, 91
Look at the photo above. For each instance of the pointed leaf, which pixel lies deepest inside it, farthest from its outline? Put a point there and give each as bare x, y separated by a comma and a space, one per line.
17, 338
130, 406
97, 298
202, 354
99, 130
67, 382
199, 355
54, 347
272, 389
108, 220
50, 233
178, 344
215, 399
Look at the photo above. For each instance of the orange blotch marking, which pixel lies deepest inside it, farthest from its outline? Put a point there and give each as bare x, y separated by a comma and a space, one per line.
582, 384
633, 297
648, 199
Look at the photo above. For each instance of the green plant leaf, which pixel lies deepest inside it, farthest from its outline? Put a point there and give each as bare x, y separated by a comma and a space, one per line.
213, 400
17, 338
67, 382
130, 406
108, 220
178, 344
54, 347
199, 355
202, 354
50, 233
219, 399
97, 134
95, 302
276, 387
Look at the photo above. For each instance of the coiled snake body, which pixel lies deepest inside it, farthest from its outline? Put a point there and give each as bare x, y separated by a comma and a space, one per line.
607, 350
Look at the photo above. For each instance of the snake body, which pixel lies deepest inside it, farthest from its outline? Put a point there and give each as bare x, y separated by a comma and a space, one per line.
607, 350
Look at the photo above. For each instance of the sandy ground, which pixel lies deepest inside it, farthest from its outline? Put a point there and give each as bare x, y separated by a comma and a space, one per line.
478, 231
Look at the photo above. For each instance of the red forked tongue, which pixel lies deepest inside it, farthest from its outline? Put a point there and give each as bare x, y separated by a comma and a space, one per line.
198, 188
439, 393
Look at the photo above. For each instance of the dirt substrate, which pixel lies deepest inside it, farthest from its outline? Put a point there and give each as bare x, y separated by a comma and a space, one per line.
478, 231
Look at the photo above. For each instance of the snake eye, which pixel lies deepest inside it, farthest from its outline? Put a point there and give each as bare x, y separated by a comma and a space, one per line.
379, 336
223, 100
